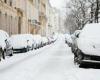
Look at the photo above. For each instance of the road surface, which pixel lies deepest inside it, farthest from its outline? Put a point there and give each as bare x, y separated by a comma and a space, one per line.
53, 62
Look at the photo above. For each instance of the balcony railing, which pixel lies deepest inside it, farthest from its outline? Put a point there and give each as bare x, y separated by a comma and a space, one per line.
34, 22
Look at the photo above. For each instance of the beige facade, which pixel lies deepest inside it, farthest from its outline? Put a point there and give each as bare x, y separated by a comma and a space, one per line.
42, 16
8, 17
23, 16
33, 16
13, 17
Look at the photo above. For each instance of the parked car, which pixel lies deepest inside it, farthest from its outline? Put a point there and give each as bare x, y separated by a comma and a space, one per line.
50, 40
88, 45
22, 42
37, 41
74, 37
30, 41
5, 46
68, 40
44, 41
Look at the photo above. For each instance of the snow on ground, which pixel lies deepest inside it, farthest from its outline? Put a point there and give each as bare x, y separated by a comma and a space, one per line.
53, 62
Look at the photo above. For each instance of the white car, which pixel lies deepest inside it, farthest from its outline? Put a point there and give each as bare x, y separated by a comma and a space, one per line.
37, 41
88, 45
5, 46
22, 42
44, 41
30, 41
74, 37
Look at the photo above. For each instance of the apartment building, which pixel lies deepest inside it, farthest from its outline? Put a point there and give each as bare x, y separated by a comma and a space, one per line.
19, 16
8, 16
33, 16
42, 17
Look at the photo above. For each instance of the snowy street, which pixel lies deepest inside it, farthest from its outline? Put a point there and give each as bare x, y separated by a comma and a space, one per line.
53, 62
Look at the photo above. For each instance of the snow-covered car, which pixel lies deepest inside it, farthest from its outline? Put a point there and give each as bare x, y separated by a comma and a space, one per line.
74, 37
5, 46
30, 41
55, 37
44, 41
50, 40
37, 41
68, 40
88, 45
22, 42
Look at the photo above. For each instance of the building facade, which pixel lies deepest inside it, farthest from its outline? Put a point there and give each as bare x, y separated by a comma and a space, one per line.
33, 16
19, 16
8, 16
42, 17
21, 8
49, 14
28, 16
53, 20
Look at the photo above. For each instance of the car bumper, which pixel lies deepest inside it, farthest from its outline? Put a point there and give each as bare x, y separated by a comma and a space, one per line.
90, 61
90, 64
20, 50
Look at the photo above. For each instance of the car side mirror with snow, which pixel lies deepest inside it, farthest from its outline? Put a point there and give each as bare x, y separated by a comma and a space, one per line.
77, 35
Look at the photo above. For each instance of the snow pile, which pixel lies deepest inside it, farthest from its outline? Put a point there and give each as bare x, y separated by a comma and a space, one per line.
89, 39
3, 37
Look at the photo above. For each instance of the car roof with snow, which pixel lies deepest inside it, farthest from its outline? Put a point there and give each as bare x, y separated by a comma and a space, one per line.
89, 39
91, 30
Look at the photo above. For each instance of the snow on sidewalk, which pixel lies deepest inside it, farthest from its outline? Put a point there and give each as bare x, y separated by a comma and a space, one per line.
53, 62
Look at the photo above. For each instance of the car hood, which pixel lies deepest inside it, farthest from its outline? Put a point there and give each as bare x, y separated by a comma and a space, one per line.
19, 45
89, 46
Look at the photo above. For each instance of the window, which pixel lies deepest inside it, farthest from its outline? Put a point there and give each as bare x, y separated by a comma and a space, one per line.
5, 14
0, 12
10, 2
5, 1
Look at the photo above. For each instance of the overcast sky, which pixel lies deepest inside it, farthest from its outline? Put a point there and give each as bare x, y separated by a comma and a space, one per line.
60, 4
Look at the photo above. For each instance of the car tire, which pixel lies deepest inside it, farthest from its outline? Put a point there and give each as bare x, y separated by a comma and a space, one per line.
78, 58
11, 53
3, 54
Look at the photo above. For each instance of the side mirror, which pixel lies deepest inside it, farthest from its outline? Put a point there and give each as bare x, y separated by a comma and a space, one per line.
6, 40
77, 35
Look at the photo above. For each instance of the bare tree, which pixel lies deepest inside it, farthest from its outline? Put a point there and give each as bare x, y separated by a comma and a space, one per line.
83, 12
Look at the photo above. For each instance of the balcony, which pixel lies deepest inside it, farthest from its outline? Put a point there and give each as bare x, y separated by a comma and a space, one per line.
35, 23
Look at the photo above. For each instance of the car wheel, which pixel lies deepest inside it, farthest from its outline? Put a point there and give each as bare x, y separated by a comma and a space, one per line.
79, 58
75, 59
0, 53
11, 53
3, 54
